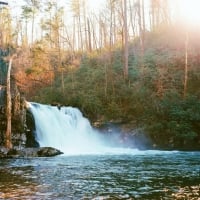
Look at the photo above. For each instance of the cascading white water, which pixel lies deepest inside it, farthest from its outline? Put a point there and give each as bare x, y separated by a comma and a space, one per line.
65, 129
68, 130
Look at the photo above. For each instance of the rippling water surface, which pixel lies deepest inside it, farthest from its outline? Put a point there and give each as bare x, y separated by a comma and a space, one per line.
130, 175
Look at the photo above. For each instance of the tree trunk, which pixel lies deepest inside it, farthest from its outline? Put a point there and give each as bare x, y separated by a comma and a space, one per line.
95, 45
186, 66
132, 14
32, 31
153, 14
143, 18
143, 25
86, 21
141, 28
111, 23
74, 35
125, 41
81, 47
89, 36
8, 143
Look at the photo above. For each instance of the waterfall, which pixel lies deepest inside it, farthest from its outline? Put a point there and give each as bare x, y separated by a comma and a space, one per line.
64, 128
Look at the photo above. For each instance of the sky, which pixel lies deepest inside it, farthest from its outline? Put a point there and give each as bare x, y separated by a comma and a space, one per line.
189, 9
93, 4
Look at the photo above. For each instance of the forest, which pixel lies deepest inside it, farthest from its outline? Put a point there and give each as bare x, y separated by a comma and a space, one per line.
134, 62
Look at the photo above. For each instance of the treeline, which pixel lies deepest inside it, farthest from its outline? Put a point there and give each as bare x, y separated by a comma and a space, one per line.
153, 98
113, 66
59, 27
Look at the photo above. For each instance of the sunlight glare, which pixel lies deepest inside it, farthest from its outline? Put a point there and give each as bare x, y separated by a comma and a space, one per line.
190, 11
95, 5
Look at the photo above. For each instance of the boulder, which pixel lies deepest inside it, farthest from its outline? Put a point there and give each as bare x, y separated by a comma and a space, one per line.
3, 152
48, 152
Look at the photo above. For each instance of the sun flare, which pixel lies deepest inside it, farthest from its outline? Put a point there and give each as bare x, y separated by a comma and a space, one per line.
95, 5
190, 11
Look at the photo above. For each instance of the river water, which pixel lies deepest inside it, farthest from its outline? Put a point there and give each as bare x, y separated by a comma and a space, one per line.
127, 174
93, 167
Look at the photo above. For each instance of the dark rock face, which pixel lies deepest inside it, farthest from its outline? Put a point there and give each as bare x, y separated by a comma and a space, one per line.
18, 116
19, 140
2, 114
125, 135
2, 95
30, 130
29, 152
3, 152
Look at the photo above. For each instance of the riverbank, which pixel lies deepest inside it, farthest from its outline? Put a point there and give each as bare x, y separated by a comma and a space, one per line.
29, 152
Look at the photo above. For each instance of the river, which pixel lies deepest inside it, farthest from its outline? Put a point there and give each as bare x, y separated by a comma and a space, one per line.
128, 174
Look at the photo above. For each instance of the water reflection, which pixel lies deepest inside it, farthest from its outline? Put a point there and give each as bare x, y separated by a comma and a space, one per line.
99, 177
14, 183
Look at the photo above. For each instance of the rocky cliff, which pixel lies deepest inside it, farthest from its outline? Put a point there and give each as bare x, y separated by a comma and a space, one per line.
18, 116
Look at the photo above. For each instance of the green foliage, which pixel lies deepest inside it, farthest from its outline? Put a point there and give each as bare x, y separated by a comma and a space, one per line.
175, 117
152, 96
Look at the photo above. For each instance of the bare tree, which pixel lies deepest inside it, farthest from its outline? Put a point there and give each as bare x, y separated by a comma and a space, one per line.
76, 10
166, 17
8, 135
112, 25
125, 30
5, 26
89, 38
186, 66
26, 15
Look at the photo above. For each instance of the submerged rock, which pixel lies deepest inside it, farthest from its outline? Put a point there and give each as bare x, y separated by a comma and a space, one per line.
29, 152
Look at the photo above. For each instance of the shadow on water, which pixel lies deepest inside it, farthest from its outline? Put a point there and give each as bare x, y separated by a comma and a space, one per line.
14, 184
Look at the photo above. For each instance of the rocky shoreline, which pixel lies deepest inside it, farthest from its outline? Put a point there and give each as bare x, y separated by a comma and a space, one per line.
188, 192
29, 152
